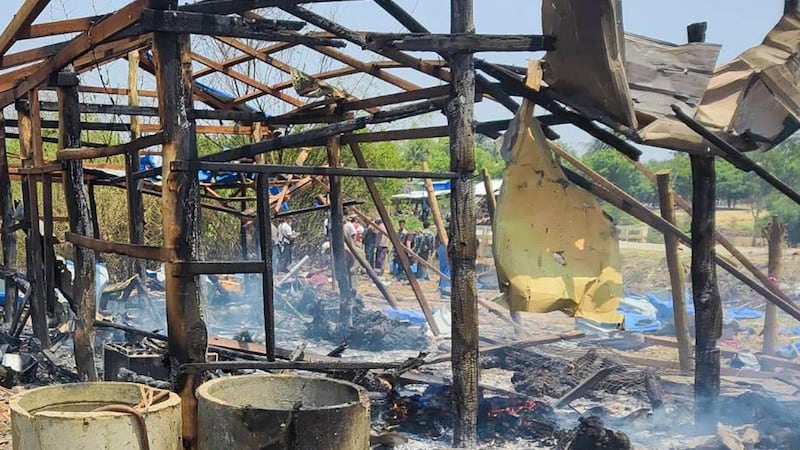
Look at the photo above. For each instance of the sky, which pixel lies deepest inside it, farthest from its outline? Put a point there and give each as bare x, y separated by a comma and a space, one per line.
736, 24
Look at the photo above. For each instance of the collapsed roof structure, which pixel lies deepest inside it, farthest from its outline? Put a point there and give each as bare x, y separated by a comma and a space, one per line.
638, 91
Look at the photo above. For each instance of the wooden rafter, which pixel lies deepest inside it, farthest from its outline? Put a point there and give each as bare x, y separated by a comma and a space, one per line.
26, 14
76, 48
267, 90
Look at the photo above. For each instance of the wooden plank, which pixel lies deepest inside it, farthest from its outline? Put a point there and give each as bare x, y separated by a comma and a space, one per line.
460, 42
77, 47
104, 152
25, 15
119, 248
40, 170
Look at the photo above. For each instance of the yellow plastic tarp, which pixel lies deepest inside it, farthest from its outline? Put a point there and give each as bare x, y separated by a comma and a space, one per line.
554, 248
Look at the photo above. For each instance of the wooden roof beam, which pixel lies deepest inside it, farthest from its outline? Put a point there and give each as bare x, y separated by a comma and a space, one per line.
239, 6
76, 48
38, 30
26, 14
460, 42
246, 58
247, 80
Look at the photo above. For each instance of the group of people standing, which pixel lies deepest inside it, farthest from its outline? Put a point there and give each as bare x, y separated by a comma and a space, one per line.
376, 247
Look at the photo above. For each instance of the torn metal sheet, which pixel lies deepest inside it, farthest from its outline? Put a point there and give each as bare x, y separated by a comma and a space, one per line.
661, 74
554, 248
753, 102
588, 66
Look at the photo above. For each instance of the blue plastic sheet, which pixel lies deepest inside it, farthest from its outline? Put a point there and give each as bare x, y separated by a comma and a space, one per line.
743, 312
444, 267
663, 303
405, 315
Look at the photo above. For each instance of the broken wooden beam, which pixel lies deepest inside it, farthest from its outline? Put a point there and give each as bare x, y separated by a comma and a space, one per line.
184, 166
460, 42
104, 152
325, 366
119, 248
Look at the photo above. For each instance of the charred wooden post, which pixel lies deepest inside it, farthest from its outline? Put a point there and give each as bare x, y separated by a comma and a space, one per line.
48, 252
666, 201
265, 241
434, 204
707, 302
9, 238
30, 133
705, 290
188, 336
83, 290
340, 269
775, 232
133, 191
462, 248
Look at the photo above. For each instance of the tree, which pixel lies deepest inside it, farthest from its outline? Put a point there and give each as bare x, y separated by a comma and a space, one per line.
616, 169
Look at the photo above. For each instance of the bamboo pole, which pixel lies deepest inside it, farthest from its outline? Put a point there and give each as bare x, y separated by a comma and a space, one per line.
681, 320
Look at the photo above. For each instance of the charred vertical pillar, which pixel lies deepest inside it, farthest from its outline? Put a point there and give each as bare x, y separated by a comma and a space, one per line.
462, 248
340, 268
30, 151
9, 238
705, 292
133, 191
265, 242
188, 337
775, 232
83, 290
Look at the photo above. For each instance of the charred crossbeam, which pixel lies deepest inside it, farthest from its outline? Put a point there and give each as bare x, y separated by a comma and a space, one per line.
735, 157
149, 111
461, 42
297, 365
238, 6
230, 26
191, 166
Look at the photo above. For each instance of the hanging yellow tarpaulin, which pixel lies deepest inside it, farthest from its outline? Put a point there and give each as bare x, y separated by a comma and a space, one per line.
554, 248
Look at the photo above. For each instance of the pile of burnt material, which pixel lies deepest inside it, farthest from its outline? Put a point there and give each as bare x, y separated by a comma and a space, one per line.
775, 421
500, 419
539, 375
371, 330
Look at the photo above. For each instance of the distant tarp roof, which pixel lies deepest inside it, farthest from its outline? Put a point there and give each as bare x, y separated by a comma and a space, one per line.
442, 188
